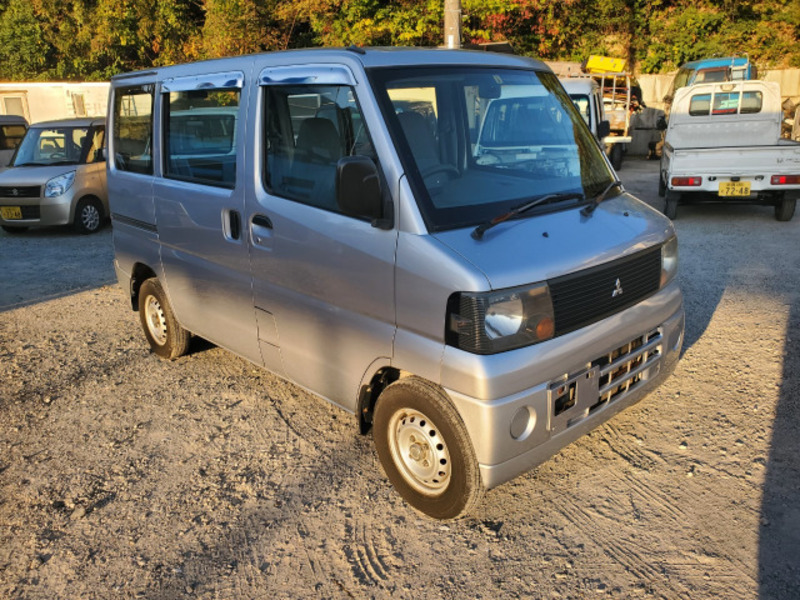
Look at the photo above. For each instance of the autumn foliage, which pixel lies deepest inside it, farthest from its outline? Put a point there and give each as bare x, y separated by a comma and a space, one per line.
95, 39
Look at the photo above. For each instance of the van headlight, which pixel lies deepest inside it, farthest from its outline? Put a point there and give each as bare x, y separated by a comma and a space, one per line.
669, 260
59, 185
490, 322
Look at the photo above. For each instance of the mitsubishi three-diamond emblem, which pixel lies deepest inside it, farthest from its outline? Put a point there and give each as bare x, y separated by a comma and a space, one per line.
617, 289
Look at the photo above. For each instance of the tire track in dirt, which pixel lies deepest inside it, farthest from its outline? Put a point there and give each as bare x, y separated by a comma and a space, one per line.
366, 555
636, 482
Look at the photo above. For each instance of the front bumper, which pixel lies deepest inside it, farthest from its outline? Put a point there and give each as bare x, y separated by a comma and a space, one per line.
574, 383
40, 212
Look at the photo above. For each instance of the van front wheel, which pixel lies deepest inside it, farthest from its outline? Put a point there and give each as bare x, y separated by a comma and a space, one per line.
162, 330
425, 450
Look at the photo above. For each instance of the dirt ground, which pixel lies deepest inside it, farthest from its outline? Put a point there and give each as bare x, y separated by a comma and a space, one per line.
125, 476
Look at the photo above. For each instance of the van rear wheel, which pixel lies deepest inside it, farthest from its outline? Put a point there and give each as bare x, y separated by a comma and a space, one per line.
425, 450
162, 330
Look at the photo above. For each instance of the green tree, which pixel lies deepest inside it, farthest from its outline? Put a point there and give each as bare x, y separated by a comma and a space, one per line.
24, 53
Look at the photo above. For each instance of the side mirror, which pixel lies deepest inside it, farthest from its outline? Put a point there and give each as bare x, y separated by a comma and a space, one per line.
661, 123
603, 130
358, 190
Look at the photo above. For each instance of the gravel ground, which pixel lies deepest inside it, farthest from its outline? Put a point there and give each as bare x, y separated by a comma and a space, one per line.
125, 476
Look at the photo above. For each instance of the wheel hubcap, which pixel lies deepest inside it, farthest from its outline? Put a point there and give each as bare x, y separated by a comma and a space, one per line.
155, 319
419, 452
90, 217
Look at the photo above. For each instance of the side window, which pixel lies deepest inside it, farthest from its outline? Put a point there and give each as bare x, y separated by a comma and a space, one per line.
307, 130
200, 136
133, 127
11, 136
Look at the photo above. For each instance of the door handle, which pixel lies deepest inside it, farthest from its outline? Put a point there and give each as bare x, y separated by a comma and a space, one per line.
235, 224
231, 225
261, 230
262, 221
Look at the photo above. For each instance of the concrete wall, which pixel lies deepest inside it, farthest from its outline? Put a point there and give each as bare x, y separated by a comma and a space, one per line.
655, 87
45, 101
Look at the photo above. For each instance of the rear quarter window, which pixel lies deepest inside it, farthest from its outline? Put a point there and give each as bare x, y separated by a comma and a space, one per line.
133, 127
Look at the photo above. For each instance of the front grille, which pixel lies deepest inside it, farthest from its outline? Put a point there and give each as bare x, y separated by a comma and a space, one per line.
587, 296
23, 191
623, 369
609, 378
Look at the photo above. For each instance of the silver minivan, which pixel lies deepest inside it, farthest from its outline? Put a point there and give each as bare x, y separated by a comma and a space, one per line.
331, 216
57, 177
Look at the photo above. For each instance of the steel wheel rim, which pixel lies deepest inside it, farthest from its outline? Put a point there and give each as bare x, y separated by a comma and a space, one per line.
419, 452
155, 319
90, 217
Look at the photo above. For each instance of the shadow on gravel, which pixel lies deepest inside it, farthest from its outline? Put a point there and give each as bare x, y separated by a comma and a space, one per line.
706, 273
779, 532
52, 262
703, 282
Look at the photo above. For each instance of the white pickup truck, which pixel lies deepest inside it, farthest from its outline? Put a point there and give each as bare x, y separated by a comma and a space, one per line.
723, 145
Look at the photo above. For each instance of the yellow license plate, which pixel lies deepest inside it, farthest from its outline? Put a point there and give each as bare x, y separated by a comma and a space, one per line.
10, 212
734, 188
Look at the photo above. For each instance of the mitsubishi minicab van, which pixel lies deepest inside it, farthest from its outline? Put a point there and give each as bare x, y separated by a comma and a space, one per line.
430, 239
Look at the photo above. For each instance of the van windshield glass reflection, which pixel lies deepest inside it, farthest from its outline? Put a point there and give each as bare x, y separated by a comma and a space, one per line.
477, 141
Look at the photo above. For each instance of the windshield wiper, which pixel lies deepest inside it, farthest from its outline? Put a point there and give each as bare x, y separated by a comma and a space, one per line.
587, 210
478, 232
30, 164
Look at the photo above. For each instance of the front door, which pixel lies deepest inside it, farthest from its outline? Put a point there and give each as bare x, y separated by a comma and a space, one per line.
323, 279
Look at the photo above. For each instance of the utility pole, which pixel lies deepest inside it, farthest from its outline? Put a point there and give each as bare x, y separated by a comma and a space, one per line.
452, 23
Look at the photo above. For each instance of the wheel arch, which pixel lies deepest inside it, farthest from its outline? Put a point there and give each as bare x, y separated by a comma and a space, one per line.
371, 389
88, 196
140, 273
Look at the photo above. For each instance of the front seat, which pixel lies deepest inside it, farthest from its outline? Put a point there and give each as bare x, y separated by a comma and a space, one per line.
313, 173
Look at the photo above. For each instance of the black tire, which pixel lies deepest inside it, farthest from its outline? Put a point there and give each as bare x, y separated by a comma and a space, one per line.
616, 156
671, 204
425, 450
162, 330
88, 216
662, 186
784, 209
13, 229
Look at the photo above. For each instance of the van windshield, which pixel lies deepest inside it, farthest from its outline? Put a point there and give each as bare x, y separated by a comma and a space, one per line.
44, 146
475, 141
